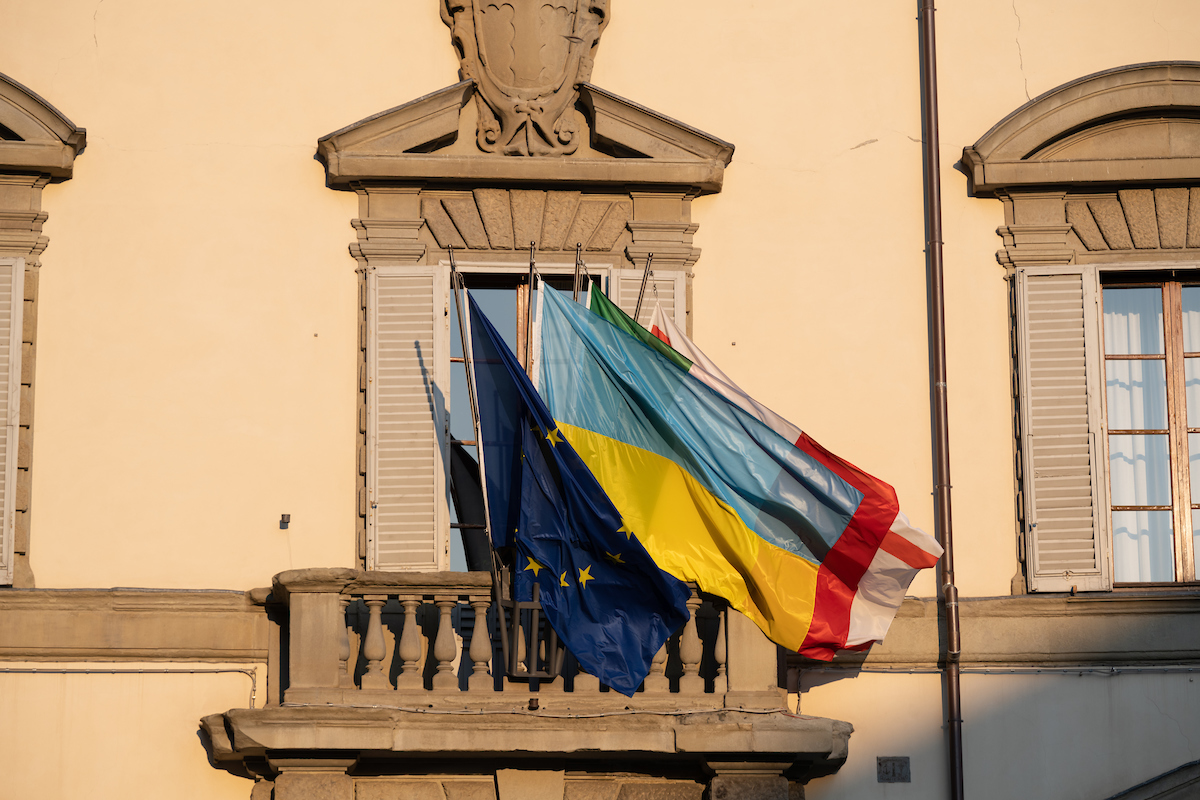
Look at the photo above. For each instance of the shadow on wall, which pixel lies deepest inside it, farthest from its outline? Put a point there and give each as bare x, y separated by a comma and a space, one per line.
1068, 735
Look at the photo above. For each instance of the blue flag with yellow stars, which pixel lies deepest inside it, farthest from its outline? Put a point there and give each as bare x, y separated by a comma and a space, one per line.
604, 596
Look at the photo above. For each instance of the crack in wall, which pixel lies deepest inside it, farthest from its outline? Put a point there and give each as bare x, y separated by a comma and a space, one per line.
1177, 725
96, 13
1020, 54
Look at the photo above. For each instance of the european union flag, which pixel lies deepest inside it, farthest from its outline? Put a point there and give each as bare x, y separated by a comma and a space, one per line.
607, 600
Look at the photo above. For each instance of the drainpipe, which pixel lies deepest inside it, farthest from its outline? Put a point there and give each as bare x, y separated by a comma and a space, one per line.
941, 433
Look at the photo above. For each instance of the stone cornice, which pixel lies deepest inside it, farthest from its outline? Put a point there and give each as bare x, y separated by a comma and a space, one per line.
1109, 628
46, 141
404, 143
130, 624
686, 738
1132, 124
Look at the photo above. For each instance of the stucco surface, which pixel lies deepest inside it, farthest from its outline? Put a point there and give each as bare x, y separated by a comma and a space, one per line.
114, 736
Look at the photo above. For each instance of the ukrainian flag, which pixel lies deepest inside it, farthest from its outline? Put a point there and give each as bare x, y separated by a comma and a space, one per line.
713, 494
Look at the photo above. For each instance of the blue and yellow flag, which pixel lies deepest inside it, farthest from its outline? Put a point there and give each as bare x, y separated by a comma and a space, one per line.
607, 600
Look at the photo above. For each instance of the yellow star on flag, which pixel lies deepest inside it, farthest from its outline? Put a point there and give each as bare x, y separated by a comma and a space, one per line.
585, 575
613, 557
533, 565
562, 580
554, 437
625, 530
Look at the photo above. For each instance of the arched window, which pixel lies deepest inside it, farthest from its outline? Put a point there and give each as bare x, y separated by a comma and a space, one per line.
1100, 181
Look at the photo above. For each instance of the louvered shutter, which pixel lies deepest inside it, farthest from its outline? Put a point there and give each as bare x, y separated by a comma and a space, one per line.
1066, 515
12, 294
407, 446
667, 287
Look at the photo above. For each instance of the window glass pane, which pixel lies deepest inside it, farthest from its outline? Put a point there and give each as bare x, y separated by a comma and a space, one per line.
1194, 464
1191, 319
1137, 394
1133, 321
1191, 376
1140, 470
1142, 546
1196, 542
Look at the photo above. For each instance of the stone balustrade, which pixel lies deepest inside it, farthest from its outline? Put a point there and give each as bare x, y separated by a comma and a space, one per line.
387, 639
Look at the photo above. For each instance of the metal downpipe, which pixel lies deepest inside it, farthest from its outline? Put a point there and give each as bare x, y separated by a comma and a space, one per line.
941, 429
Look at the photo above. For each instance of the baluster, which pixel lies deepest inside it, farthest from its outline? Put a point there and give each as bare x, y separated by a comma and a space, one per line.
444, 646
481, 648
657, 681
373, 646
690, 651
721, 684
521, 665
345, 678
586, 683
410, 647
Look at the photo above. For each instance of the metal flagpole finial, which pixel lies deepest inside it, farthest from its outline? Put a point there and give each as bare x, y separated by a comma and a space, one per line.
529, 308
578, 265
642, 292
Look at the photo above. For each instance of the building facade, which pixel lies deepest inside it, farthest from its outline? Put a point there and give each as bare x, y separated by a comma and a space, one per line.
230, 554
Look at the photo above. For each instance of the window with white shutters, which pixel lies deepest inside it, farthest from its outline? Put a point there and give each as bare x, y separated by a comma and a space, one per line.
407, 447
1109, 401
667, 288
1065, 518
12, 283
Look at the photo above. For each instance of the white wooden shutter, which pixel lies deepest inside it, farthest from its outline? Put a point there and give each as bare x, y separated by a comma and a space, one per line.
12, 296
667, 287
1066, 513
408, 524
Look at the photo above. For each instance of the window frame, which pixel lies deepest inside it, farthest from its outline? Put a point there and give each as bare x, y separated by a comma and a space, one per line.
1170, 284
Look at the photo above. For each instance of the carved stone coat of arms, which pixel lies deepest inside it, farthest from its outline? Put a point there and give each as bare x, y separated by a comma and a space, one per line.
526, 58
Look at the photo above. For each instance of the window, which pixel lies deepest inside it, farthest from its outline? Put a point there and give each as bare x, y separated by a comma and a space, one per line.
416, 417
1108, 389
1152, 391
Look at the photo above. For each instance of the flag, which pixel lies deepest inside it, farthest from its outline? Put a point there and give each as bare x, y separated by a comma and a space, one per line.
905, 549
599, 589
716, 495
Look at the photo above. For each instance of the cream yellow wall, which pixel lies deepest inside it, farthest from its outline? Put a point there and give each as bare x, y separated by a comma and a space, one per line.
183, 402
1054, 735
116, 736
196, 372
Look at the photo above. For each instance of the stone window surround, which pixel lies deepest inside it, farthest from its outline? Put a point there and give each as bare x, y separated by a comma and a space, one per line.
43, 152
1096, 175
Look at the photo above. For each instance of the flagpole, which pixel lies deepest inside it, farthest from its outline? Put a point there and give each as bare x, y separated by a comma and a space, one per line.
464, 335
941, 424
529, 312
642, 292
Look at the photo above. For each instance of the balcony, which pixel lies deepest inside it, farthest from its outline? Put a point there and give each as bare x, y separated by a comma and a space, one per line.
372, 675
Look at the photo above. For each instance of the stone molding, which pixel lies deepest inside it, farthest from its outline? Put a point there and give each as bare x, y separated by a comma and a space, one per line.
1132, 124
690, 744
410, 143
131, 625
1111, 629
35, 137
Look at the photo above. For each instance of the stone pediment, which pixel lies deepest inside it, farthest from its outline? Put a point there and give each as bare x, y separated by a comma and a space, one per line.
34, 136
430, 139
1139, 123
